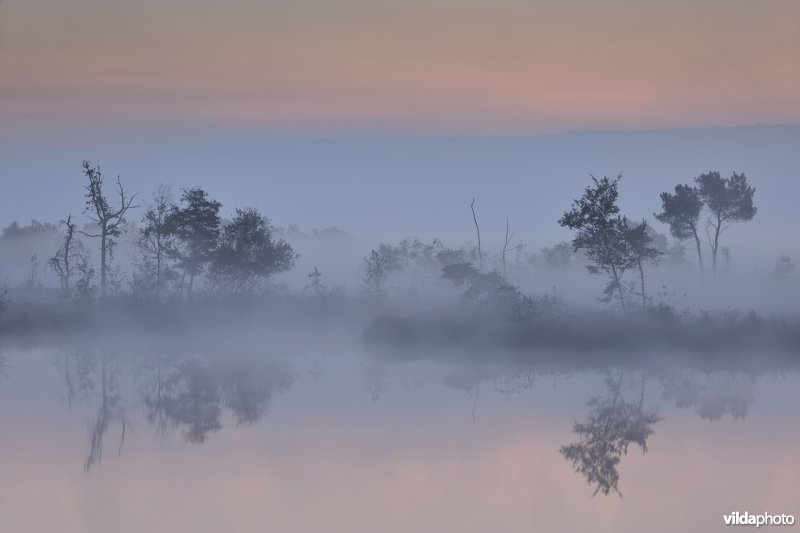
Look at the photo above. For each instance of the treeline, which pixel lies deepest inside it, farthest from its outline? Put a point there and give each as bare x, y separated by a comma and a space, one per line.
616, 245
182, 241
176, 242
607, 242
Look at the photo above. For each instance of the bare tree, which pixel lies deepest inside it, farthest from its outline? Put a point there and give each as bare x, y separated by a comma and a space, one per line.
108, 219
477, 229
63, 261
506, 248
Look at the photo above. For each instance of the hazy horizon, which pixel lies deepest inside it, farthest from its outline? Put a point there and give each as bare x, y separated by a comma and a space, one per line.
376, 182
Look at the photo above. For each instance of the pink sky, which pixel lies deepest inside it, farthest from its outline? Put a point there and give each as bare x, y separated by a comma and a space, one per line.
408, 67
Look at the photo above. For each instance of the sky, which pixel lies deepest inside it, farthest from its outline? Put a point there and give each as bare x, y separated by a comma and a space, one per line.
386, 118
400, 67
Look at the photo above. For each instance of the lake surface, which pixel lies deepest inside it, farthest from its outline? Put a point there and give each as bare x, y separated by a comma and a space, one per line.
157, 437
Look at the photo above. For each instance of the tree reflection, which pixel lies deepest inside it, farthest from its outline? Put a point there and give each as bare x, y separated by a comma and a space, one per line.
185, 393
249, 387
190, 394
193, 394
77, 368
111, 409
86, 374
191, 400
612, 425
713, 396
155, 395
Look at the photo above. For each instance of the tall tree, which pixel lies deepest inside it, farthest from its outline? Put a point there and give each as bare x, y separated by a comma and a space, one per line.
682, 212
196, 224
156, 239
601, 233
247, 252
729, 200
108, 219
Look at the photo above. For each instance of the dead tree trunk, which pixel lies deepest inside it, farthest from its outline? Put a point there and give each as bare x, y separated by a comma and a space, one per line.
477, 230
107, 218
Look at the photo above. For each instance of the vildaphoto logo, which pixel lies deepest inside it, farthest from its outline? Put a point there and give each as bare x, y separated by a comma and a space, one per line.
765, 519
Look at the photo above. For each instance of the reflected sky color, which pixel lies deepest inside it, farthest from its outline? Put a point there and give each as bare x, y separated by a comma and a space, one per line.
357, 67
282, 478
327, 458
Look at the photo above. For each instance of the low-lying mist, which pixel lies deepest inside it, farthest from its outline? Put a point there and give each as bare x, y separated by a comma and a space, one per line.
178, 262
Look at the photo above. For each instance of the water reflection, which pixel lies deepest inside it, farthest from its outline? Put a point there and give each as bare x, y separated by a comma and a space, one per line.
615, 420
196, 394
185, 393
612, 425
711, 395
110, 410
191, 400
84, 373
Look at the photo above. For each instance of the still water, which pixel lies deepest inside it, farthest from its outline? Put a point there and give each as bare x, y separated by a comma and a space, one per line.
103, 438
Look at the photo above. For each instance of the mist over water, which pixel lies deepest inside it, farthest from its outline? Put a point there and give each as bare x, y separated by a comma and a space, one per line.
384, 190
155, 432
348, 356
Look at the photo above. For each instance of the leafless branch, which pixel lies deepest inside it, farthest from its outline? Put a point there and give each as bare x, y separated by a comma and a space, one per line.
477, 229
